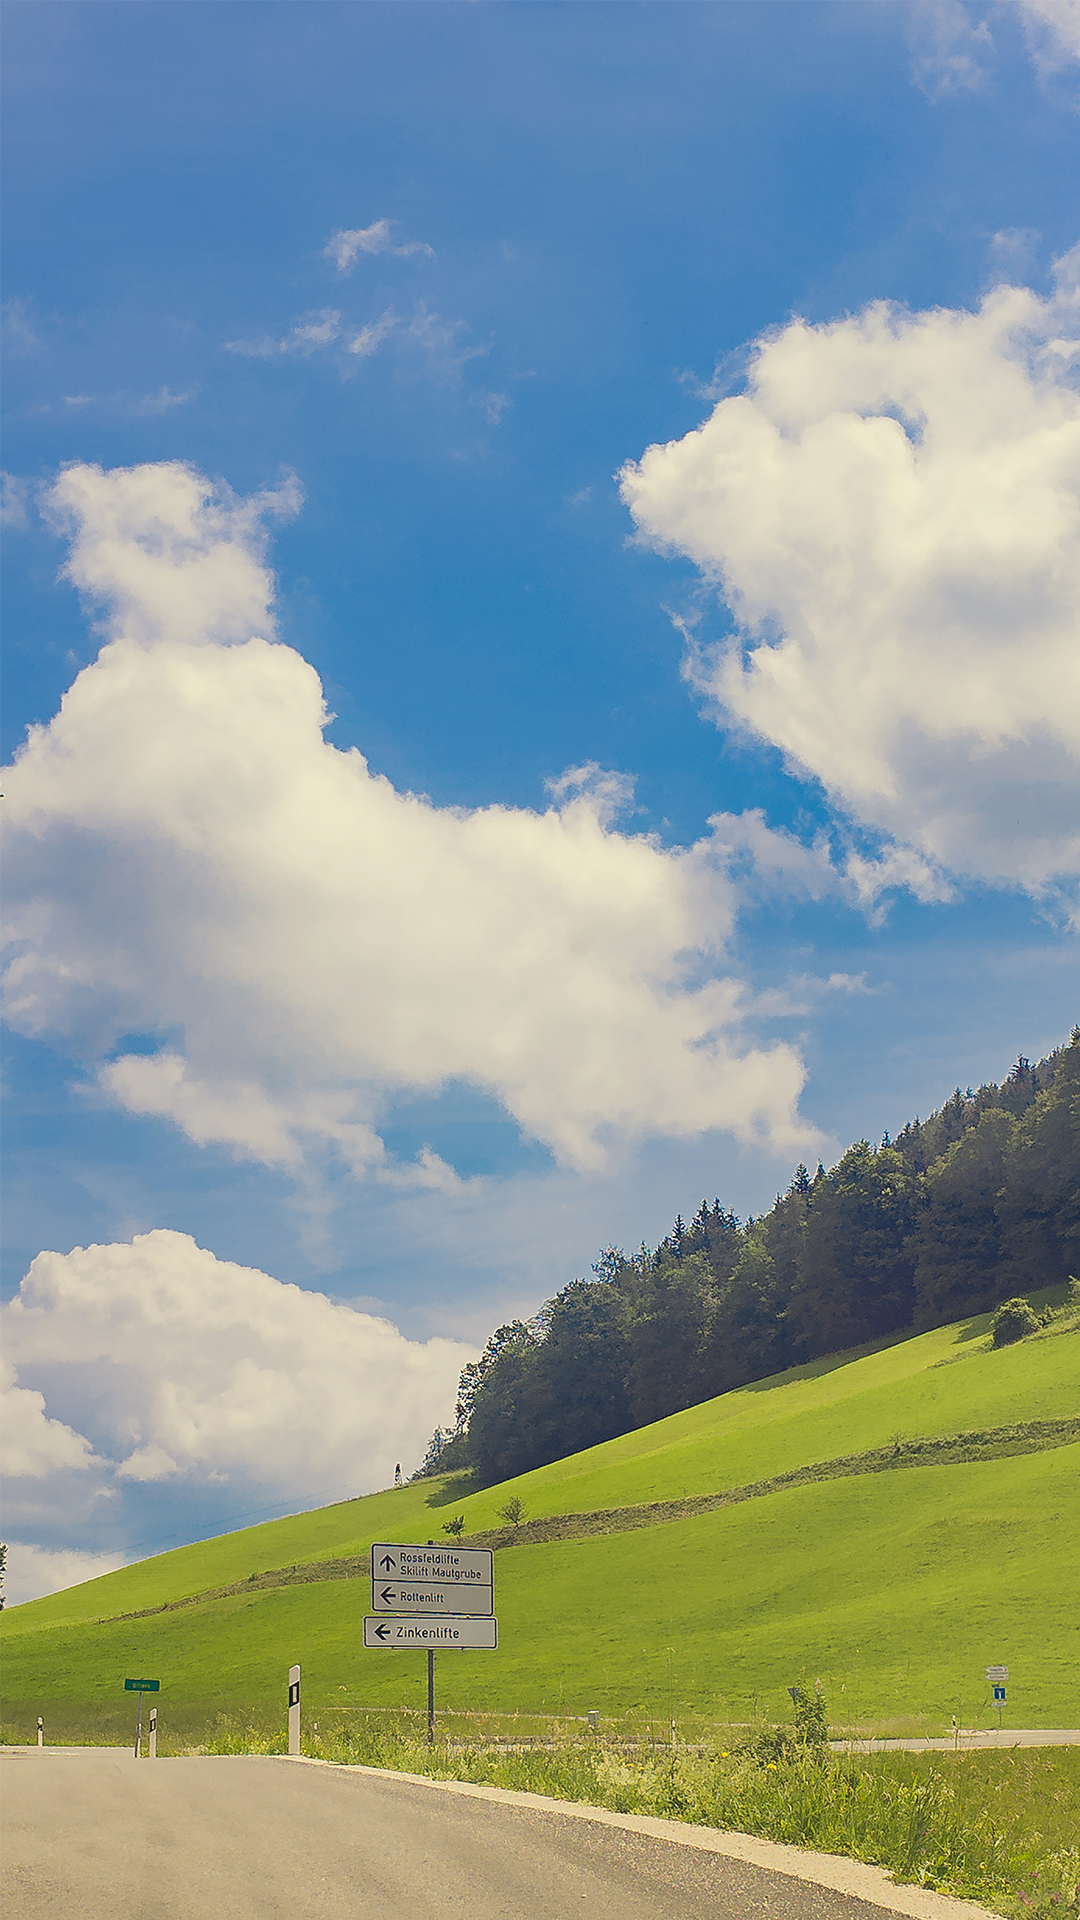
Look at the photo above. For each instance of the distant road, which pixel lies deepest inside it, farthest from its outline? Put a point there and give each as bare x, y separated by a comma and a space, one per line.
93, 1834
969, 1740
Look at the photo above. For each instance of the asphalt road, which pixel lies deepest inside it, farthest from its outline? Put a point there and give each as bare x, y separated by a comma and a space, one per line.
94, 1834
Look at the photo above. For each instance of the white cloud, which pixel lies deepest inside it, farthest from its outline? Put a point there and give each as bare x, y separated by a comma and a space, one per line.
34, 1571
183, 1365
169, 555
1054, 30
315, 330
189, 857
32, 1445
892, 512
18, 327
1013, 254
952, 47
371, 337
163, 401
345, 247
441, 345
14, 492
950, 51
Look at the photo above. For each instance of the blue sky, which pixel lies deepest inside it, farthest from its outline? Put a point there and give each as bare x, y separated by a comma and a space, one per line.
421, 285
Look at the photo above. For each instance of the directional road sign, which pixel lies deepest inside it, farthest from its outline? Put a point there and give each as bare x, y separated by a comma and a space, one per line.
997, 1675
433, 1632
446, 1566
142, 1686
429, 1596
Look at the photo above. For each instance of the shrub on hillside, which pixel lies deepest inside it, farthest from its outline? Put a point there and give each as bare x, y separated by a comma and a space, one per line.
1013, 1321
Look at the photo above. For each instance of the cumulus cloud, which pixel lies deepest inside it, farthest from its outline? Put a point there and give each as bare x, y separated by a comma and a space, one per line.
34, 1571
32, 1445
189, 858
346, 245
185, 1366
892, 512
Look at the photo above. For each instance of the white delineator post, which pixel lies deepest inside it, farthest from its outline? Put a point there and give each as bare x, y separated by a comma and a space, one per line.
40, 1731
153, 1733
294, 1712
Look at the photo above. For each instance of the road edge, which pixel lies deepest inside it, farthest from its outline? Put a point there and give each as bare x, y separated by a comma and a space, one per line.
832, 1870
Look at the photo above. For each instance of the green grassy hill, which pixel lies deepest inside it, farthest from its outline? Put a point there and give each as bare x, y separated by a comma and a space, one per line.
895, 1586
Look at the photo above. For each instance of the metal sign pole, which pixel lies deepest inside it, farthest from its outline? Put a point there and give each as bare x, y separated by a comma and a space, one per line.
153, 1732
431, 1696
294, 1712
138, 1730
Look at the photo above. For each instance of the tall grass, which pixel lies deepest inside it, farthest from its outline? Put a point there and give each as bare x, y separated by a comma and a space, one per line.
995, 1827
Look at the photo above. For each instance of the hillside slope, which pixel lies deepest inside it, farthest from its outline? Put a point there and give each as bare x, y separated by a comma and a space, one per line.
896, 1588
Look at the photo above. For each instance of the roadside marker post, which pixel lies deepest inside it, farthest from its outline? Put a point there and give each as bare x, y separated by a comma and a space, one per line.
140, 1687
153, 1733
40, 1731
294, 1712
431, 1596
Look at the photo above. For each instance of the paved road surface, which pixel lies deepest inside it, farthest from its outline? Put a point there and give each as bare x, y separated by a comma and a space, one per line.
93, 1834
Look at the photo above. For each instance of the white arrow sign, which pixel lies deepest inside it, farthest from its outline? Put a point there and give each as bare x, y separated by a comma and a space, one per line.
449, 1566
430, 1596
436, 1631
997, 1675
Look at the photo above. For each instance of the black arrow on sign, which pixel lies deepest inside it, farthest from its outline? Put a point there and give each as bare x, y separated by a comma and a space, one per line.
382, 1630
386, 1596
388, 1565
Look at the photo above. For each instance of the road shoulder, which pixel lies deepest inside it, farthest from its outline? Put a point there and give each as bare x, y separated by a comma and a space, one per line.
831, 1870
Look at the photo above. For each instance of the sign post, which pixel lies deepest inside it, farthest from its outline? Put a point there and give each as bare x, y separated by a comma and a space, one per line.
294, 1712
140, 1687
998, 1677
437, 1597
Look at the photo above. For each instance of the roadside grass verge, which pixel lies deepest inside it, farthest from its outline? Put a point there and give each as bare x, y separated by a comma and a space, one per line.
997, 1827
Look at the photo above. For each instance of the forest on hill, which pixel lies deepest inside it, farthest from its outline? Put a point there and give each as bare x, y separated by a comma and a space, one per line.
954, 1214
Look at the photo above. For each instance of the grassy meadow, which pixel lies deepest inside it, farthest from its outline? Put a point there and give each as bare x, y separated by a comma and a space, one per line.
894, 1589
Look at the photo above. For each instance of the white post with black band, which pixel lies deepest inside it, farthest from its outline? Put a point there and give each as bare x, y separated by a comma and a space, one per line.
294, 1712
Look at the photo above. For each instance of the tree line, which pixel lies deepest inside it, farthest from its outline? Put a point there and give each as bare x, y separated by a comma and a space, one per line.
953, 1215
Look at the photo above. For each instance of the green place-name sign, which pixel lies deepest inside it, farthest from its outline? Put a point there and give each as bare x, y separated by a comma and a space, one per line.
142, 1686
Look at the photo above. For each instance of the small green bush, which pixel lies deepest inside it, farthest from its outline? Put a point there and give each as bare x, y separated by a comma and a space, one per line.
1013, 1321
